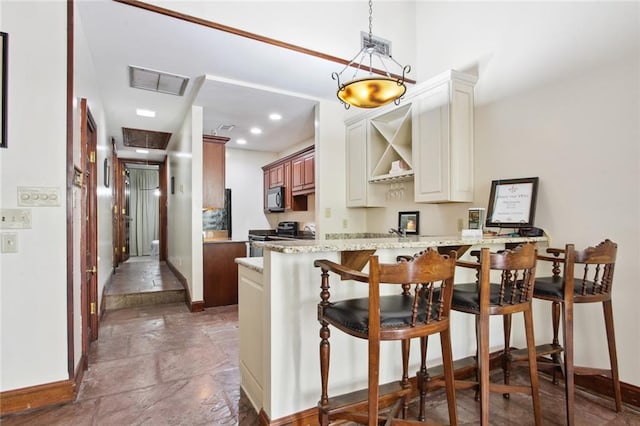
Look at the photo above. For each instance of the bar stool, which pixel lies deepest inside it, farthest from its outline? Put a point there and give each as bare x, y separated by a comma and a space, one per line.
421, 309
589, 284
513, 294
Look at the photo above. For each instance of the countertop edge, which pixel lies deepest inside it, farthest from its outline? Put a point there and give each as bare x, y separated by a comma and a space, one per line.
317, 246
253, 263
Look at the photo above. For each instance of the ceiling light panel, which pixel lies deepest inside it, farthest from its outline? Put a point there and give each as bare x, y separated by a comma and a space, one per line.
157, 81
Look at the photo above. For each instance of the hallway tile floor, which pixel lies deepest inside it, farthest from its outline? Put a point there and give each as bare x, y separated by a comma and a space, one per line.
163, 365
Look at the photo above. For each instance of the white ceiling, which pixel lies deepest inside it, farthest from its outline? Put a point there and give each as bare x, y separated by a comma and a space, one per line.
237, 81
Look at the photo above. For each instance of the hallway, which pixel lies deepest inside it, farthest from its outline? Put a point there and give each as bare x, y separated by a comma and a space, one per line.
162, 365
156, 364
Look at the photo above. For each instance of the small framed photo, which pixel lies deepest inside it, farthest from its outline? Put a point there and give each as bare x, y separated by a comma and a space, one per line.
409, 222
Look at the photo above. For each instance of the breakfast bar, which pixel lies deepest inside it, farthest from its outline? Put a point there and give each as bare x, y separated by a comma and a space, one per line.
279, 330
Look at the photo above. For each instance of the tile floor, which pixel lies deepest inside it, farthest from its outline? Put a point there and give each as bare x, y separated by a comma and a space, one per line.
162, 365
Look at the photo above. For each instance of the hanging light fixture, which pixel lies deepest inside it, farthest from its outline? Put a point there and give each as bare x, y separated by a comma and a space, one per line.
377, 89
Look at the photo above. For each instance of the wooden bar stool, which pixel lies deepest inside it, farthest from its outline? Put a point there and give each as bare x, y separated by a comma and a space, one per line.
420, 308
513, 294
590, 283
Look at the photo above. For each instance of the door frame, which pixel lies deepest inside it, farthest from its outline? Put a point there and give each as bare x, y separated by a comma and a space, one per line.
119, 198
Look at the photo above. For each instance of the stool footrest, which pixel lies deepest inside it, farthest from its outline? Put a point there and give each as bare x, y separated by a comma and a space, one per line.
389, 392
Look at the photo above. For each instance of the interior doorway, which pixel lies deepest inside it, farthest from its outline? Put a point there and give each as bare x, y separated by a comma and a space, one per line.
141, 209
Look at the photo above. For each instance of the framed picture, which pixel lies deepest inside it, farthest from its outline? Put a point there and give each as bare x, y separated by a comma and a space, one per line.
409, 222
512, 203
4, 48
107, 172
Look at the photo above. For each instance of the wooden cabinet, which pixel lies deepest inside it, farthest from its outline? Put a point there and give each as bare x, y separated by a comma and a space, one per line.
276, 176
220, 272
213, 171
303, 174
428, 139
296, 173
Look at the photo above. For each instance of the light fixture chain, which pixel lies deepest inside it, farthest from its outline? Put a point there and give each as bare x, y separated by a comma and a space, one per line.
370, 21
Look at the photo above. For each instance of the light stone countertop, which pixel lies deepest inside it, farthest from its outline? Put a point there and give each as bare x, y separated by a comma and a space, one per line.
254, 263
412, 242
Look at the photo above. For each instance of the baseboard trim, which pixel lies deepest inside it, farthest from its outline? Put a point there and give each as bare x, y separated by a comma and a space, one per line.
198, 305
25, 399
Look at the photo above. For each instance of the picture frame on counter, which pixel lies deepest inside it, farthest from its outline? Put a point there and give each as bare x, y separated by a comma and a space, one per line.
512, 203
409, 222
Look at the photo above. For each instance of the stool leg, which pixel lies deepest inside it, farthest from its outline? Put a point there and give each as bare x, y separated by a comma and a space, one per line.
569, 370
450, 387
325, 352
423, 376
533, 365
406, 346
506, 354
483, 366
555, 357
613, 358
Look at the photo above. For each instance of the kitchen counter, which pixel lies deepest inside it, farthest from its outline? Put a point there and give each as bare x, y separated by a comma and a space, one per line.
253, 263
411, 242
222, 240
279, 325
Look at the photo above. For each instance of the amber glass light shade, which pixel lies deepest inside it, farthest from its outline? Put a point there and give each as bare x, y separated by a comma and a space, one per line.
371, 92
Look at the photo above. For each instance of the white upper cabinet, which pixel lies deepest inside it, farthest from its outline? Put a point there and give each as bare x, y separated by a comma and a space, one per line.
443, 141
428, 138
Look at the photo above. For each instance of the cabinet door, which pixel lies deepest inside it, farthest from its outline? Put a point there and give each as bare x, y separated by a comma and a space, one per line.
213, 175
443, 144
220, 273
276, 176
309, 178
297, 178
288, 190
359, 192
266, 186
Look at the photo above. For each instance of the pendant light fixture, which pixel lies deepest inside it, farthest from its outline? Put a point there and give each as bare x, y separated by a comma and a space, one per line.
379, 87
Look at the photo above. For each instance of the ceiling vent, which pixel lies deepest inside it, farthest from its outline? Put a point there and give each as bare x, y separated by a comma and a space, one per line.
148, 139
225, 127
157, 81
380, 45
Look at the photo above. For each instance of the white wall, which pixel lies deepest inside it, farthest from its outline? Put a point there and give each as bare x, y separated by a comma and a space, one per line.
554, 100
33, 282
245, 179
184, 207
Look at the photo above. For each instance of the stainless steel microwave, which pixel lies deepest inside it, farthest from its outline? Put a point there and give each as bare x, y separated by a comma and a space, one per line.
275, 199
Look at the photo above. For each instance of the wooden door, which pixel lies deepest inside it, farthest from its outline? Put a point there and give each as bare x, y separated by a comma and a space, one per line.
89, 231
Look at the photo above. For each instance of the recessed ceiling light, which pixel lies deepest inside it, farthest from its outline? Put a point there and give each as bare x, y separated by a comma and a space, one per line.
256, 130
145, 112
275, 116
142, 151
241, 141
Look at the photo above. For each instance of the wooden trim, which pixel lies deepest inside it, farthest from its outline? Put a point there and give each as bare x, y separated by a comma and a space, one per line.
601, 385
197, 306
164, 190
282, 160
69, 204
79, 374
15, 401
247, 34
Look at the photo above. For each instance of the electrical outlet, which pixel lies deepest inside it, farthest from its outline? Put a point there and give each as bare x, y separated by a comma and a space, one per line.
345, 223
327, 212
460, 224
9, 242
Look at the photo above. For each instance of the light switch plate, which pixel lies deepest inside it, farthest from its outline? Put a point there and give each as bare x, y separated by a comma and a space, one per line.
15, 219
32, 196
9, 242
